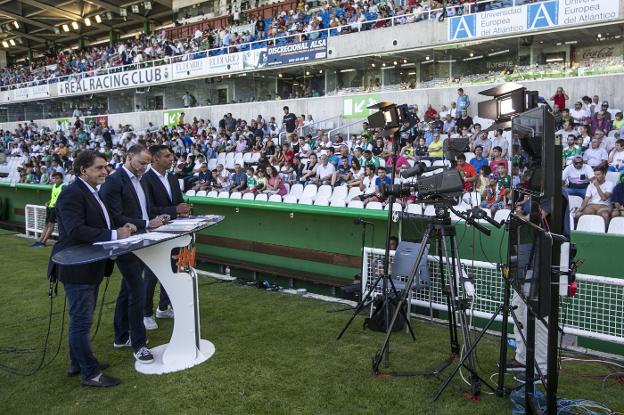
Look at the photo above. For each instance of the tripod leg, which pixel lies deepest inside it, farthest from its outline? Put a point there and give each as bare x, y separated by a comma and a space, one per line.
359, 307
408, 285
473, 346
451, 263
403, 313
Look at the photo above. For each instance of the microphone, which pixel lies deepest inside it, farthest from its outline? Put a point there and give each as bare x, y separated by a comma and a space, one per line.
418, 169
361, 221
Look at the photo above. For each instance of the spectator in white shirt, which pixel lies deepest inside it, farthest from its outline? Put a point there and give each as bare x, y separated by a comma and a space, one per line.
595, 156
576, 177
579, 114
616, 157
597, 200
324, 172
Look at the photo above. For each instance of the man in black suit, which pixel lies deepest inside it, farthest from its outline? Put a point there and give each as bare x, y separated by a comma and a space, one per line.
165, 196
83, 219
126, 199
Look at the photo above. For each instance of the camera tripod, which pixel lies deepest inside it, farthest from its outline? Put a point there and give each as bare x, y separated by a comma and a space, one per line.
438, 229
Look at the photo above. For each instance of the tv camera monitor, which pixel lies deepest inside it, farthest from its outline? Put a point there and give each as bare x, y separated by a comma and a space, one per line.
531, 253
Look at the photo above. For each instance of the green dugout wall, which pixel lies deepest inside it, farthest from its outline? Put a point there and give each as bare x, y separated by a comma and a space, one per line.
319, 247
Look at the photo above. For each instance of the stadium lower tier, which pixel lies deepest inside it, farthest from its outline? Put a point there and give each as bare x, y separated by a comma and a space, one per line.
318, 248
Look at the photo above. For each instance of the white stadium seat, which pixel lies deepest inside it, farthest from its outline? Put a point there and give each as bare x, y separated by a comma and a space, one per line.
414, 208
306, 200
340, 193
429, 210
212, 164
574, 202
190, 192
290, 199
236, 195
353, 192
275, 198
262, 197
591, 223
337, 203
396, 207
249, 196
212, 193
501, 215
309, 191
201, 193
224, 195
323, 201
296, 191
356, 204
323, 192
374, 205
616, 226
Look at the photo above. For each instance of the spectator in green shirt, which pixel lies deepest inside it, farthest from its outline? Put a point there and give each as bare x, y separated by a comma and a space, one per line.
571, 150
370, 160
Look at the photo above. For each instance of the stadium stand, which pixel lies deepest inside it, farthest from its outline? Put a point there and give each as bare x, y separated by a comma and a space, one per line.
33, 153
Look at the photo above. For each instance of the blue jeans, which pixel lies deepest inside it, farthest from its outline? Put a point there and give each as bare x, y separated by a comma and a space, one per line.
128, 320
150, 287
81, 299
580, 192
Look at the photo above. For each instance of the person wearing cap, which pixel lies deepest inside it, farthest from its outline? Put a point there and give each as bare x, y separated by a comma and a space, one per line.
576, 177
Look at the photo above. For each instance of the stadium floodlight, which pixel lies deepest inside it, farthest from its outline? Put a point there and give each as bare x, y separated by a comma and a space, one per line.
98, 18
135, 8
5, 43
75, 25
57, 31
20, 40
65, 27
123, 12
147, 5
87, 21
16, 24
109, 15
12, 42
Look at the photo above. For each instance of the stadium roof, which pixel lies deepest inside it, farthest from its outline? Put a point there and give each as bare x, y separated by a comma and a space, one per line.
39, 24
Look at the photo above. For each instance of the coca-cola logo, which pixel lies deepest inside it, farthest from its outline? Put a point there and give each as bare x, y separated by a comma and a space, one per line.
598, 53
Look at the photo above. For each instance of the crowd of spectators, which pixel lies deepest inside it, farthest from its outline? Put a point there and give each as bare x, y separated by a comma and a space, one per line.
257, 162
342, 16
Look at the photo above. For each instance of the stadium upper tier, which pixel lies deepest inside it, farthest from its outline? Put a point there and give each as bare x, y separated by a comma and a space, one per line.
326, 35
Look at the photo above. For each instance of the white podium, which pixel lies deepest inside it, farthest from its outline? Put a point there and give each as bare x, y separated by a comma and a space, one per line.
186, 347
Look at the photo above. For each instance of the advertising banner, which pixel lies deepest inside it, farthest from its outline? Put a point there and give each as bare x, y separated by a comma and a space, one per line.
357, 106
190, 68
297, 52
20, 94
533, 16
225, 63
5, 96
171, 117
39, 91
128, 79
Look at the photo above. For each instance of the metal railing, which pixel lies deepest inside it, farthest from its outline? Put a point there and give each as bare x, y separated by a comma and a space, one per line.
347, 129
439, 14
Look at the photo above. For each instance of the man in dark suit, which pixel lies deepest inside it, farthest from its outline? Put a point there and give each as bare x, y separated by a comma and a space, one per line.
83, 219
165, 196
126, 199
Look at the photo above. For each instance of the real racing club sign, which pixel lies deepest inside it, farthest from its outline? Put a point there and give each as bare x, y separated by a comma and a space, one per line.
533, 16
118, 80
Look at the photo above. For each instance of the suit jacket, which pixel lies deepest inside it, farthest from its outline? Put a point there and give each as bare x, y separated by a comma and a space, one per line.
160, 203
80, 221
122, 201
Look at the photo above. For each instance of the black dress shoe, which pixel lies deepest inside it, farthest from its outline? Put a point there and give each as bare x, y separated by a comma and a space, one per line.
103, 382
75, 370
